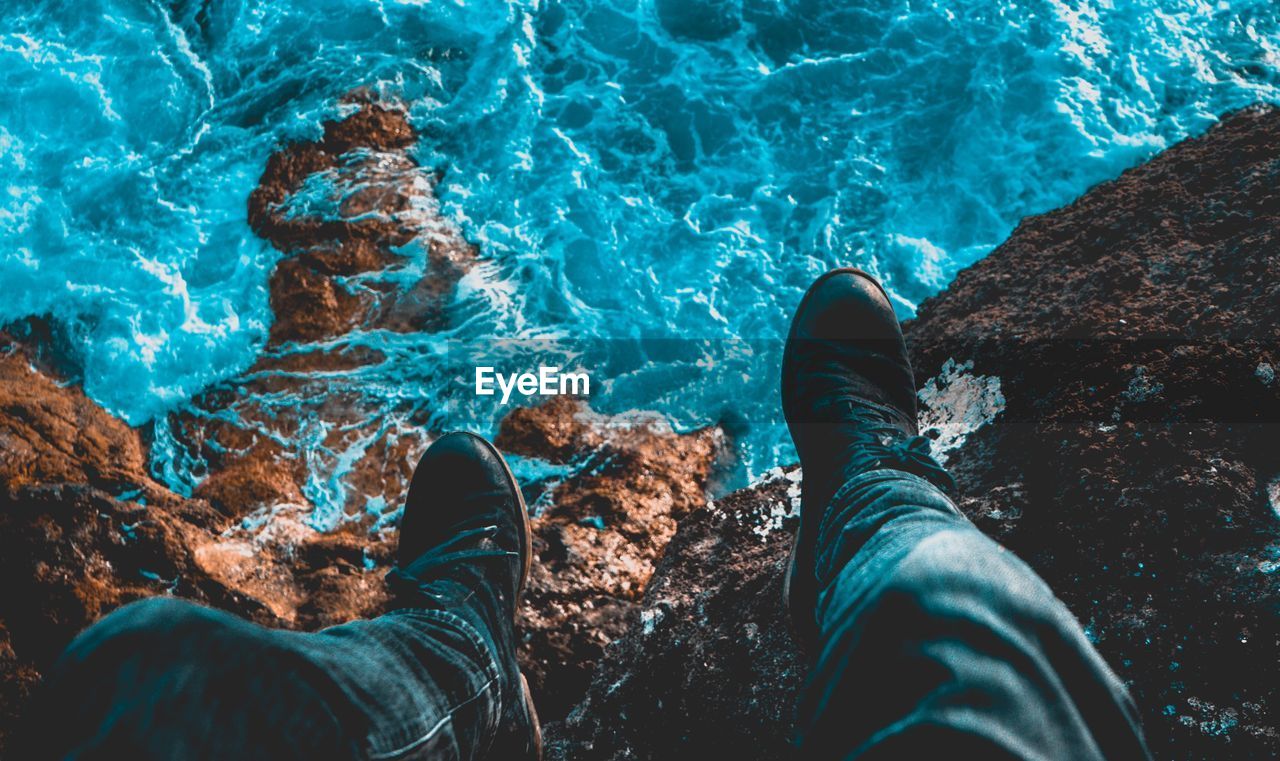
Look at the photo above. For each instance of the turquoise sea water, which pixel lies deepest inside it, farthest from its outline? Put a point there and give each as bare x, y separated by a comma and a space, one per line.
666, 169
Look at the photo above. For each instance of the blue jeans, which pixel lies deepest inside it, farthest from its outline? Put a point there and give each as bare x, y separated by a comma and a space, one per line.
167, 679
935, 641
938, 642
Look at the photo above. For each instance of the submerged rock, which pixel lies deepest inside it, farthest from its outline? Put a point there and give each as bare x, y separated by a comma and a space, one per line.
366, 250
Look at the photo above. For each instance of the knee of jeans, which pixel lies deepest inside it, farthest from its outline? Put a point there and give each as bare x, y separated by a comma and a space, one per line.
149, 619
962, 577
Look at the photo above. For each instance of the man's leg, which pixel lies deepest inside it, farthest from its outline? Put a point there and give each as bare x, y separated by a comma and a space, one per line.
436, 678
928, 637
935, 638
167, 679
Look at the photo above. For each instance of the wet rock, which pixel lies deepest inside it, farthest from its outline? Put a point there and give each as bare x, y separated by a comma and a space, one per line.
261, 478
598, 534
356, 217
53, 434
1130, 460
339, 207
71, 552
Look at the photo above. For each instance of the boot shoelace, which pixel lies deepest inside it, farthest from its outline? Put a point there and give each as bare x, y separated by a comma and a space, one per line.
472, 541
881, 443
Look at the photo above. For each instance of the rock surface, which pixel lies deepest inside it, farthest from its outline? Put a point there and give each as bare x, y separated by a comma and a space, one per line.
1123, 349
50, 434
599, 533
356, 218
708, 668
1134, 465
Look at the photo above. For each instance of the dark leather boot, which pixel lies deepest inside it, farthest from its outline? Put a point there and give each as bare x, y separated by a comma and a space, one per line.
465, 518
849, 398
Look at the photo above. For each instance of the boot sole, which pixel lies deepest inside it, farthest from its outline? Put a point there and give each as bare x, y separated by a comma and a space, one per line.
807, 634
536, 750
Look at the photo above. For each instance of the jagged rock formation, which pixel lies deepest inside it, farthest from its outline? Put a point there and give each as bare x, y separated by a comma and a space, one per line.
354, 214
1134, 337
708, 668
600, 533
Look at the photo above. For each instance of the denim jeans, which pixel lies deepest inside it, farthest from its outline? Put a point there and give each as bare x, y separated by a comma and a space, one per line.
169, 679
936, 642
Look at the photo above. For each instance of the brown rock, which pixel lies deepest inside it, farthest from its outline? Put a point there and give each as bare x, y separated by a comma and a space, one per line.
601, 532
373, 197
257, 480
71, 553
53, 434
339, 207
557, 431
708, 668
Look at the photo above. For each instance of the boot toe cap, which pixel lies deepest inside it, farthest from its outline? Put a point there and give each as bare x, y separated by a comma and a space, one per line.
846, 304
